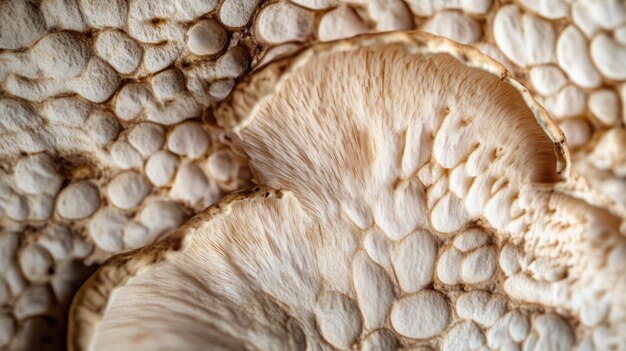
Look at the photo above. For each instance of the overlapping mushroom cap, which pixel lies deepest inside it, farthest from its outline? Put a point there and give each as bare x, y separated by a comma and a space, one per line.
97, 97
410, 198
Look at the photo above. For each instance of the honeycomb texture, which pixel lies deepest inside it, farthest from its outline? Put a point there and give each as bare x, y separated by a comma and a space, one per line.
106, 144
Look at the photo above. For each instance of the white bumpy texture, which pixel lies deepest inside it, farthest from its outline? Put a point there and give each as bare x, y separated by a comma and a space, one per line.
105, 145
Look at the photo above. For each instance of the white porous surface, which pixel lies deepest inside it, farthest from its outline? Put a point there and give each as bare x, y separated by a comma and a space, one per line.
78, 200
471, 239
549, 9
380, 339
136, 235
206, 38
604, 104
36, 174
282, 22
481, 307
315, 4
161, 217
342, 22
102, 127
376, 303
127, 190
35, 300
119, 50
609, 55
426, 8
573, 56
36, 262
160, 167
449, 266
568, 102
188, 139
464, 336
524, 38
105, 229
414, 260
146, 138
125, 156
223, 165
106, 144
220, 89
237, 13
390, 15
454, 25
420, 316
191, 185
547, 79
338, 319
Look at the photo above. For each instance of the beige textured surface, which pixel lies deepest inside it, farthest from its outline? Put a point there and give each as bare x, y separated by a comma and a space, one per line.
504, 255
93, 92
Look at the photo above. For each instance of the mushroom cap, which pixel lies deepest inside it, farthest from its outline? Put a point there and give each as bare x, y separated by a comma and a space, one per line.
373, 153
440, 103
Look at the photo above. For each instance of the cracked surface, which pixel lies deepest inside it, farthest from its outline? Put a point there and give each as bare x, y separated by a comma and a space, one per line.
104, 135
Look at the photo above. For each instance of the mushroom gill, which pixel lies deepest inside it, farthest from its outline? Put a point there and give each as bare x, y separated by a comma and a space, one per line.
408, 196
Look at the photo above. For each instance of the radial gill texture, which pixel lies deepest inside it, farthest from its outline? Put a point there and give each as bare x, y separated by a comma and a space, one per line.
106, 144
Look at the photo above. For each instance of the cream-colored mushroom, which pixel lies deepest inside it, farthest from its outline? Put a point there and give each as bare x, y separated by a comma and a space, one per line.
343, 239
93, 89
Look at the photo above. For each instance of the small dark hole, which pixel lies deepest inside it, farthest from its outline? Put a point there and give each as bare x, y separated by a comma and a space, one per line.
257, 189
47, 339
50, 321
210, 119
51, 271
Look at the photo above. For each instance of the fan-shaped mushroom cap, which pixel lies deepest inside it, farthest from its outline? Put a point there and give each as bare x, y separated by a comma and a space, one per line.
389, 153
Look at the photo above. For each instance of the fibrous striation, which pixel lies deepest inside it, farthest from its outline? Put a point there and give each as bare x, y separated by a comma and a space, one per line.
106, 146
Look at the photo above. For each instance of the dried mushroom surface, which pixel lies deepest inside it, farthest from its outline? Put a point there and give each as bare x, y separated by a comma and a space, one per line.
106, 146
438, 222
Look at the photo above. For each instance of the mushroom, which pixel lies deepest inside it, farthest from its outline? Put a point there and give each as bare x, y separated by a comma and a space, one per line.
411, 193
102, 96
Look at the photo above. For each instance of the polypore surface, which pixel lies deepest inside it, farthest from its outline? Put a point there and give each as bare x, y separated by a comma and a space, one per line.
104, 146
435, 224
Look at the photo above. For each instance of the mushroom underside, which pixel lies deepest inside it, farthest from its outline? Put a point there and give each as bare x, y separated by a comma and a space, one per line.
416, 206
